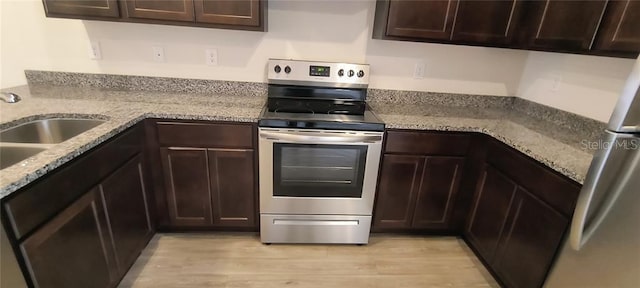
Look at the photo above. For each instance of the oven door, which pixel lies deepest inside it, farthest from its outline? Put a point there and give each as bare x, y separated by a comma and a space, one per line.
318, 171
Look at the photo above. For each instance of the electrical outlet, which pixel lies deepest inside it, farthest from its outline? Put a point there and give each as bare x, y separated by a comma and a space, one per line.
158, 54
418, 70
94, 50
556, 81
211, 57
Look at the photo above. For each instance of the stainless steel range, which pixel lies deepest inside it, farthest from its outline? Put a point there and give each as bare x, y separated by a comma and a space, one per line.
319, 152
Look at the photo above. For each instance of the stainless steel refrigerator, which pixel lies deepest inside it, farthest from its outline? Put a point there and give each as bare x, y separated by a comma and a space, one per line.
603, 246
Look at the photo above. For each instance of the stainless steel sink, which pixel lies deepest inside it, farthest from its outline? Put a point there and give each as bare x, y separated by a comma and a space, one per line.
47, 131
10, 155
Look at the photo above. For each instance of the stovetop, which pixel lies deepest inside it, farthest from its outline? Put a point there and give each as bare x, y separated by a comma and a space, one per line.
318, 95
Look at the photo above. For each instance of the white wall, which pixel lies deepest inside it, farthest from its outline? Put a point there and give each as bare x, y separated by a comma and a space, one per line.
326, 30
585, 85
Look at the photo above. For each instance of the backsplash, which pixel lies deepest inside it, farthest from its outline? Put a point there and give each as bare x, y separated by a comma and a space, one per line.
581, 127
146, 83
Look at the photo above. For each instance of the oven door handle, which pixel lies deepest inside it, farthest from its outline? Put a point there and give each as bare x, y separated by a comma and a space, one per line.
314, 137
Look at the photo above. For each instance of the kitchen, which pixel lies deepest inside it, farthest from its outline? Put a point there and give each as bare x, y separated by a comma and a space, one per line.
474, 83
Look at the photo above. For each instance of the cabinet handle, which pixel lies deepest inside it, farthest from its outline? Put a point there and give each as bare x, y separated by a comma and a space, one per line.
316, 222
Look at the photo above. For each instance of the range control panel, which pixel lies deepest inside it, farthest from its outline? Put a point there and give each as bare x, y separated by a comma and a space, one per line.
330, 74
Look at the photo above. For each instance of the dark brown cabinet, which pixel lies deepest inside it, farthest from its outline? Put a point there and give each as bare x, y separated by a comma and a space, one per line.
232, 187
186, 181
175, 10
399, 183
128, 216
520, 214
529, 244
417, 188
487, 22
620, 27
84, 224
582, 26
228, 14
76, 8
208, 174
439, 186
245, 13
74, 249
406, 18
489, 214
564, 25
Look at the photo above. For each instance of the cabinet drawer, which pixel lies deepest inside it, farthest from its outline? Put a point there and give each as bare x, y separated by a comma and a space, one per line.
205, 135
429, 143
43, 199
558, 191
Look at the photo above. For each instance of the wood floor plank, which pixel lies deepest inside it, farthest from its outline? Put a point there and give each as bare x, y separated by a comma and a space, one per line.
240, 260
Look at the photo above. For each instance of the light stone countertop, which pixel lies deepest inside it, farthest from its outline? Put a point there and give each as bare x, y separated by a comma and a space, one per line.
120, 109
553, 146
557, 147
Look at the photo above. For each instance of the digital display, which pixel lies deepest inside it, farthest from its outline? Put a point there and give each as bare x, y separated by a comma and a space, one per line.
323, 71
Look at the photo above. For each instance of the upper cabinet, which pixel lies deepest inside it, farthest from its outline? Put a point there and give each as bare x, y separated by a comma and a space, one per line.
620, 27
176, 10
561, 24
406, 18
228, 14
77, 8
487, 22
245, 13
599, 27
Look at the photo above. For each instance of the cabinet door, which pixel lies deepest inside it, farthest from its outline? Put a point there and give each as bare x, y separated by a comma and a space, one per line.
186, 176
421, 19
232, 187
488, 22
175, 10
487, 221
620, 27
73, 249
440, 181
97, 8
564, 25
399, 183
127, 211
529, 244
241, 12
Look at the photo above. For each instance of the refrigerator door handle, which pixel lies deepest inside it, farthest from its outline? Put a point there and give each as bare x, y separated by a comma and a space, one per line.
580, 233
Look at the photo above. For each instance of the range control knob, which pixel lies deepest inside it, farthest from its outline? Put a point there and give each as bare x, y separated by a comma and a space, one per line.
351, 73
341, 72
287, 69
360, 74
277, 69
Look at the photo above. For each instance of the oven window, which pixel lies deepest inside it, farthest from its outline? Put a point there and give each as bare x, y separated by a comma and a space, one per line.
310, 170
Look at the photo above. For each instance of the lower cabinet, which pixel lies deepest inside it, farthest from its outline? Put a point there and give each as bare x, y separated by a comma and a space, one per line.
84, 224
74, 249
528, 245
417, 189
512, 229
208, 174
489, 214
127, 211
209, 187
417, 192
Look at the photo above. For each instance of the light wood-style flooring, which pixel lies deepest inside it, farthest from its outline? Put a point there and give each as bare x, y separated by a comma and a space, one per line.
240, 260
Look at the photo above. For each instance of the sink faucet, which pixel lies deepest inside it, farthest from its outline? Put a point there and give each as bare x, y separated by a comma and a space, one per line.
9, 97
